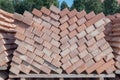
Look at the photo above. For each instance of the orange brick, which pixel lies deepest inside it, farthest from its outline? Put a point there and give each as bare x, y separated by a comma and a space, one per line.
38, 40
55, 30
90, 42
38, 52
65, 59
29, 41
74, 53
29, 34
55, 43
73, 40
90, 29
99, 23
54, 55
46, 24
74, 59
36, 12
55, 36
20, 29
47, 44
64, 46
75, 66
45, 11
81, 41
95, 66
47, 58
64, 12
90, 63
81, 28
81, 34
92, 48
64, 39
95, 19
19, 36
63, 19
66, 65
46, 18
27, 14
21, 49
55, 49
81, 68
64, 26
83, 53
27, 20
111, 69
72, 34
90, 15
56, 63
64, 33
46, 37
101, 35
72, 20
55, 23
105, 66
82, 47
18, 16
47, 31
54, 9
72, 27
54, 16
81, 14
87, 57
65, 52
81, 21
72, 13
39, 59
47, 52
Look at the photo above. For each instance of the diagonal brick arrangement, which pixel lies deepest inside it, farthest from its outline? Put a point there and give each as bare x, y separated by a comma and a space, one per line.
112, 36
54, 41
7, 45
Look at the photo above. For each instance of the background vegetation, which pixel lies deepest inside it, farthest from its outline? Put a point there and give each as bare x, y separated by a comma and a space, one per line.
19, 6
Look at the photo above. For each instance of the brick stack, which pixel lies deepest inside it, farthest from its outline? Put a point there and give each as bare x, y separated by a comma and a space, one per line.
113, 36
7, 39
54, 41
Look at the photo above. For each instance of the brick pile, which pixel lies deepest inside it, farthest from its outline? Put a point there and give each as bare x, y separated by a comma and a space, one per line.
7, 45
54, 41
113, 36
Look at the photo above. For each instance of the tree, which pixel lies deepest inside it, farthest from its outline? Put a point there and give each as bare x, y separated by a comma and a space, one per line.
78, 5
64, 5
6, 5
110, 6
93, 5
22, 5
48, 3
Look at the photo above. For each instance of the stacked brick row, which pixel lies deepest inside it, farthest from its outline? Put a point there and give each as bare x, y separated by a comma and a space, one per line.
113, 35
7, 45
54, 41
7, 38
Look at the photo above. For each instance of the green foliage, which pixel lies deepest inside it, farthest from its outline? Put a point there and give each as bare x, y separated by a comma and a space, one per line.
79, 5
93, 5
6, 5
48, 3
21, 6
64, 5
110, 6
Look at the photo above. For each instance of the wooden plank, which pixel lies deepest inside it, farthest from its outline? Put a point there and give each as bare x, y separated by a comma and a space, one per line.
117, 71
62, 76
3, 67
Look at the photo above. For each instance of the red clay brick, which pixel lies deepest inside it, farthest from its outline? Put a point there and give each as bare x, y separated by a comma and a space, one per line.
74, 53
46, 18
72, 27
55, 43
63, 26
64, 46
20, 36
81, 14
36, 12
55, 30
72, 20
81, 28
81, 21
18, 16
64, 12
45, 11
72, 13
81, 69
82, 47
87, 57
47, 44
55, 36
54, 16
95, 19
90, 29
65, 52
74, 59
83, 53
64, 33
72, 34
54, 9
66, 65
90, 15
63, 19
